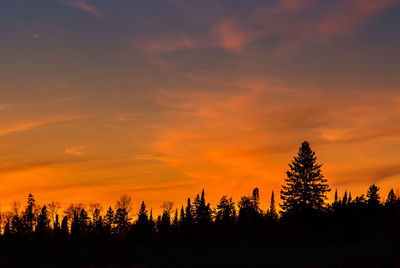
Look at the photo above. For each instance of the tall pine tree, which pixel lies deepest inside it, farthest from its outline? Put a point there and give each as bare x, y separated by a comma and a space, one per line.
305, 186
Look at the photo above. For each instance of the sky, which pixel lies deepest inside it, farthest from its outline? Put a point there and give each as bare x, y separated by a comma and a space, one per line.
159, 99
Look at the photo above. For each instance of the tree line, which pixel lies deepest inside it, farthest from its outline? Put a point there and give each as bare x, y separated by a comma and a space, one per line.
304, 216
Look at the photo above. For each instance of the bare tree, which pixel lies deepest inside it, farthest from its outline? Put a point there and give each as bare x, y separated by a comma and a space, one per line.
73, 209
167, 207
124, 202
93, 207
53, 209
15, 207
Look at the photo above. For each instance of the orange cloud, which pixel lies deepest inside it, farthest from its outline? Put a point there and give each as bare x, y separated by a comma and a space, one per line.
78, 151
242, 138
21, 127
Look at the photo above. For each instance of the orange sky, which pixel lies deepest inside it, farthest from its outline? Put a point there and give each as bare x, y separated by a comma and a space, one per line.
161, 99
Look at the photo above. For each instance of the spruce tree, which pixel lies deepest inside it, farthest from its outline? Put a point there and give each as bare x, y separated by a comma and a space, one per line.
143, 218
272, 215
64, 226
391, 199
344, 200
29, 215
43, 222
305, 186
373, 196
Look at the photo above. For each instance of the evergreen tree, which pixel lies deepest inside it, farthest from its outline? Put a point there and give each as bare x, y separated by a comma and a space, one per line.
56, 224
344, 200
121, 220
182, 217
188, 214
142, 216
109, 219
64, 226
83, 220
151, 221
373, 196
305, 186
175, 222
349, 200
391, 198
75, 225
226, 211
336, 197
272, 215
7, 229
29, 215
201, 210
43, 221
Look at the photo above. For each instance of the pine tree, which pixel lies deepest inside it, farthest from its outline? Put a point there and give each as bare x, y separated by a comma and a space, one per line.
64, 226
43, 222
175, 221
29, 215
336, 197
182, 217
121, 220
391, 199
373, 196
142, 216
272, 215
344, 200
151, 221
109, 219
305, 186
56, 224
226, 211
188, 214
201, 210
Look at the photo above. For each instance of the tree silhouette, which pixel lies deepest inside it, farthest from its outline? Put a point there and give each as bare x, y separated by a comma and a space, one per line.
201, 210
391, 198
64, 226
226, 211
109, 219
43, 222
188, 214
272, 215
29, 215
143, 218
305, 186
373, 196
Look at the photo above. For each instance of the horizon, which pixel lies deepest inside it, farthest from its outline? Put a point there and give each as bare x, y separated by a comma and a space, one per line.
163, 98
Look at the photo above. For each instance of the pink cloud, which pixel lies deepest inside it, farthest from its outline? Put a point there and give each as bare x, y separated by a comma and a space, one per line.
83, 5
234, 32
166, 43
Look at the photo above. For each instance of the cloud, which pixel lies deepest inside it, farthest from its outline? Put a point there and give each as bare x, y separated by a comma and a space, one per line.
294, 22
78, 151
166, 43
36, 36
368, 175
5, 106
83, 5
35, 124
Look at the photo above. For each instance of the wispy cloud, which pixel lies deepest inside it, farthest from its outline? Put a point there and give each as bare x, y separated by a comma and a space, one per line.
85, 6
77, 151
43, 122
36, 36
233, 31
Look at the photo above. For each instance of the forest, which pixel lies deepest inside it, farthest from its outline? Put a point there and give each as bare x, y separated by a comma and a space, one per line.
303, 230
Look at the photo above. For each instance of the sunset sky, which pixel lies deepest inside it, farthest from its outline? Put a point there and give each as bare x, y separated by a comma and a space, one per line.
160, 98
